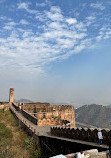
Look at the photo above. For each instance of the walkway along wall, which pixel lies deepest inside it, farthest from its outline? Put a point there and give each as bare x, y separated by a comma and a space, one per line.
30, 117
51, 146
27, 127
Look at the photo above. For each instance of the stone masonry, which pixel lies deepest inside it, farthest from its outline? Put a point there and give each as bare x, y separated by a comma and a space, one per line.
11, 95
47, 114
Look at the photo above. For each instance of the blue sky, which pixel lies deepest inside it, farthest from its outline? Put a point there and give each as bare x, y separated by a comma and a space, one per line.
56, 51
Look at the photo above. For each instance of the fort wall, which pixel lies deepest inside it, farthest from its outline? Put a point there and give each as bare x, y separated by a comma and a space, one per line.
47, 114
30, 117
4, 105
58, 146
85, 134
35, 107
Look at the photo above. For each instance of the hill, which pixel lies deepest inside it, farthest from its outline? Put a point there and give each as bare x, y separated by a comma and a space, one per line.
96, 115
23, 101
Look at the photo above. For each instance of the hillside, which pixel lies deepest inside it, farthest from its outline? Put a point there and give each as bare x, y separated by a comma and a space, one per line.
96, 115
14, 142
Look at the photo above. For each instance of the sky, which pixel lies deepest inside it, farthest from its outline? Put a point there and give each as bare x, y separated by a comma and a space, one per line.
56, 51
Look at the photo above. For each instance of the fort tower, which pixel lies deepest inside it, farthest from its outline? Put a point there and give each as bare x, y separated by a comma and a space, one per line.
11, 95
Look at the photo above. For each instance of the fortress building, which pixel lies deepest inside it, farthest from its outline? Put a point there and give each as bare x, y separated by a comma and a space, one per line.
43, 113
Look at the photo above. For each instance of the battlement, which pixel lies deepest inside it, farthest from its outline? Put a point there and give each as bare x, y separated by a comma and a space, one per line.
44, 113
85, 134
50, 114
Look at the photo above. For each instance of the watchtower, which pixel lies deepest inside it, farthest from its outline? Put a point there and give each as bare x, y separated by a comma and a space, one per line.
11, 95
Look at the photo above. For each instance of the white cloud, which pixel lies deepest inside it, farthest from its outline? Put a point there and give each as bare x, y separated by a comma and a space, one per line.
55, 9
56, 25
40, 4
59, 37
25, 6
55, 14
91, 18
10, 25
3, 18
104, 33
97, 5
24, 22
71, 21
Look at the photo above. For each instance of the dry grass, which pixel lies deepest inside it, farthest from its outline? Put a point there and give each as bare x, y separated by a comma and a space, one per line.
15, 147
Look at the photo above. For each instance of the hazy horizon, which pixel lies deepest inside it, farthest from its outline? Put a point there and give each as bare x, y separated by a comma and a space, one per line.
56, 51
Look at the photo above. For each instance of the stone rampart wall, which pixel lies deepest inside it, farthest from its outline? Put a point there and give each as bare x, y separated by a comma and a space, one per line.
4, 106
85, 134
65, 112
35, 107
29, 117
50, 112
15, 106
58, 146
4, 103
44, 118
52, 122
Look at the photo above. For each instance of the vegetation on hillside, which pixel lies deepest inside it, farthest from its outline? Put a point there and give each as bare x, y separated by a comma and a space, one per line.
96, 115
14, 142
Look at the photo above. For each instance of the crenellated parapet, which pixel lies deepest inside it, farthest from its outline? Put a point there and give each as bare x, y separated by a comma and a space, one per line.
47, 114
85, 134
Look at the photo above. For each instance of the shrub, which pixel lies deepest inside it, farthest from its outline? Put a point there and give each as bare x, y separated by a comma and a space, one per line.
28, 143
36, 153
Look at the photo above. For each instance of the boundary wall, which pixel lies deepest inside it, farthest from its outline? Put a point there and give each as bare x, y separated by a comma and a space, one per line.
50, 145
30, 117
47, 114
85, 134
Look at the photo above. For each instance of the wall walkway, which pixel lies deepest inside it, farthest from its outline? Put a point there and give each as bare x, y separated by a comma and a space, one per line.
59, 139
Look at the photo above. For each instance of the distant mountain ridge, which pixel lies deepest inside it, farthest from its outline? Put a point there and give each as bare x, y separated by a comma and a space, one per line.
23, 101
96, 115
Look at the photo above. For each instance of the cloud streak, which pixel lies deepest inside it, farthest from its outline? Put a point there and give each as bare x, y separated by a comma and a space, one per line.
52, 37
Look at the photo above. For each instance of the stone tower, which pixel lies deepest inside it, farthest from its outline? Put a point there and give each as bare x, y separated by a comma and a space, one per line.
11, 95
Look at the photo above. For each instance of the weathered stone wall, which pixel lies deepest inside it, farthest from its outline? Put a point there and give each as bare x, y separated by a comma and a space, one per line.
85, 134
30, 117
35, 107
3, 104
51, 146
15, 106
52, 121
59, 146
50, 113
65, 112
11, 95
42, 122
